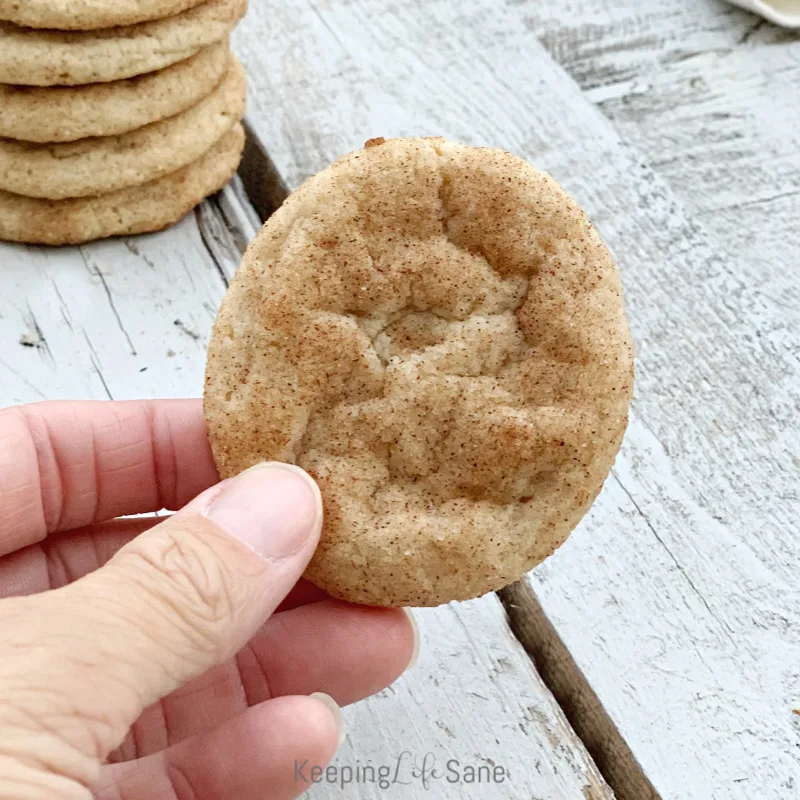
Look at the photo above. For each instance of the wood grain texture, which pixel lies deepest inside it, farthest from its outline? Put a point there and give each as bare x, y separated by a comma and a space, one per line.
129, 318
721, 125
123, 318
581, 705
604, 43
474, 698
677, 598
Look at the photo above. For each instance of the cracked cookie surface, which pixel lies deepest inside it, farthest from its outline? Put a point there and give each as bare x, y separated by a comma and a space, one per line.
437, 334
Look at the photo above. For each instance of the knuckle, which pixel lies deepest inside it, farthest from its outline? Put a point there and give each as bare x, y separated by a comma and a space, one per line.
195, 586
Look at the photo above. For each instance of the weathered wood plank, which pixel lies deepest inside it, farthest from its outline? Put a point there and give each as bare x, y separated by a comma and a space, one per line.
677, 598
123, 318
721, 124
723, 127
603, 43
131, 318
475, 699
584, 709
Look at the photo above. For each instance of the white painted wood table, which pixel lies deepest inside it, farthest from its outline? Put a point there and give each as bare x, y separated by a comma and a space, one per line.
666, 632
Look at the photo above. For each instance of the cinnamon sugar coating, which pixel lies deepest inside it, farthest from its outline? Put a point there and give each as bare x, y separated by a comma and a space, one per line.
437, 333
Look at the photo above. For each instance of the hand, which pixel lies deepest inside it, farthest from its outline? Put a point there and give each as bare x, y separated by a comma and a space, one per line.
135, 660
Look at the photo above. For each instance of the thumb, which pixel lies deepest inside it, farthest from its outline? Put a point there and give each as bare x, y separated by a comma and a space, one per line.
177, 600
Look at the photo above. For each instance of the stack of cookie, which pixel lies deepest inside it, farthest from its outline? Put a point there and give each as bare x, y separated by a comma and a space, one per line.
116, 116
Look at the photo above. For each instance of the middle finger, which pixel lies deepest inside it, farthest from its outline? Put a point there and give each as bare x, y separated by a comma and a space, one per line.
349, 652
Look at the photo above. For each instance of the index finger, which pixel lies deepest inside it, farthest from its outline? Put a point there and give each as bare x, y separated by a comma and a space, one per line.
64, 465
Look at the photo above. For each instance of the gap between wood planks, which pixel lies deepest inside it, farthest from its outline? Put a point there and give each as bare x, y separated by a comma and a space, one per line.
580, 704
266, 191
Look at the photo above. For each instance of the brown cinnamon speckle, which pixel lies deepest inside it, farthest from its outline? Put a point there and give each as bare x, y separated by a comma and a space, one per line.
441, 347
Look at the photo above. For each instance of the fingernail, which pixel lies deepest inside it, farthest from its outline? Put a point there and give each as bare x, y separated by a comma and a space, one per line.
336, 712
275, 509
415, 628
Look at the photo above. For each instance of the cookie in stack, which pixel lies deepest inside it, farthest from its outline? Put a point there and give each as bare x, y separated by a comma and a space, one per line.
116, 116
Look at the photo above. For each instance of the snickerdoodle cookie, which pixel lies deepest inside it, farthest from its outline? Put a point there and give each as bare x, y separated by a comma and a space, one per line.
84, 15
98, 166
436, 332
140, 209
68, 113
67, 58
